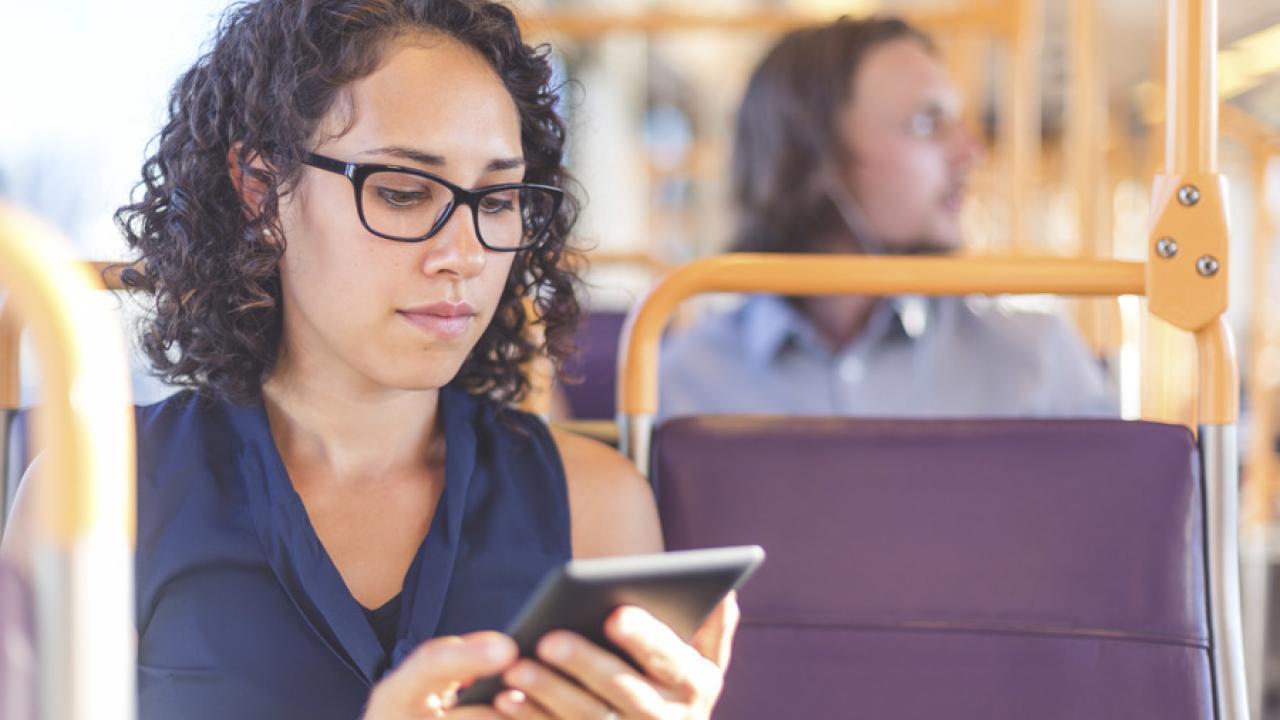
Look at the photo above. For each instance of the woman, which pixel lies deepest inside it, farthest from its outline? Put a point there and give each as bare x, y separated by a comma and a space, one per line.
348, 206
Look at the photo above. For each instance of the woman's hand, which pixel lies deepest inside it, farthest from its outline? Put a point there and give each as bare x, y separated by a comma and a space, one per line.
577, 680
426, 683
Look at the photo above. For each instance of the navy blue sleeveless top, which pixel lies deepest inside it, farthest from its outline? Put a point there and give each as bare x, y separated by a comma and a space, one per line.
241, 613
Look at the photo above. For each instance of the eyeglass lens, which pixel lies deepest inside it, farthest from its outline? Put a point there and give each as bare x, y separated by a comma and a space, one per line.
407, 207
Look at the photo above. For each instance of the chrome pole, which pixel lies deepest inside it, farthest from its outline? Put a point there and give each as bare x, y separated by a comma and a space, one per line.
635, 438
1220, 469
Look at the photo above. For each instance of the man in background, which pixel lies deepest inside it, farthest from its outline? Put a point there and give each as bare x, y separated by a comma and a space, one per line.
849, 140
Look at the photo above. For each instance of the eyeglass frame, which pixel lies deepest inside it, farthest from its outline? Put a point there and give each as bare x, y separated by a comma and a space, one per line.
357, 173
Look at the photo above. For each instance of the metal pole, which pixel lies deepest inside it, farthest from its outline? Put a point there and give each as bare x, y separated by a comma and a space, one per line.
1220, 463
10, 473
635, 436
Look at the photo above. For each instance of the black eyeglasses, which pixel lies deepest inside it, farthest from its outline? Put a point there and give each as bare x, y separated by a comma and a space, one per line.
409, 205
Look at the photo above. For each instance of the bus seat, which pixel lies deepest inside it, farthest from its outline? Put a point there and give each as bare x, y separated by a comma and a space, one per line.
17, 648
971, 569
597, 363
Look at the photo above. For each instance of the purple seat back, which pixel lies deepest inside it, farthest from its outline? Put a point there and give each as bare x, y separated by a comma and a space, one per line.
597, 365
972, 570
17, 648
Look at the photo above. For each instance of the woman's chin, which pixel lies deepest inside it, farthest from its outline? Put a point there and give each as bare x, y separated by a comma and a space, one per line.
418, 376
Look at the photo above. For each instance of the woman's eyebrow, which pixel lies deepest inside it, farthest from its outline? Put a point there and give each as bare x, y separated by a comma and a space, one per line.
505, 164
433, 160
408, 153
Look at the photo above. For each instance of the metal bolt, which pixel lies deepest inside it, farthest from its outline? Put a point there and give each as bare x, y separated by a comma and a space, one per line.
1167, 247
1188, 195
1207, 265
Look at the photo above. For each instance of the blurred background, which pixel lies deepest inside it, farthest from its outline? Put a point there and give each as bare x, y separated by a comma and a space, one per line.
1066, 94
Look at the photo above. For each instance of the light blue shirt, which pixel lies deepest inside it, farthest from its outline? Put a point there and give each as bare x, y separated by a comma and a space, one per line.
918, 357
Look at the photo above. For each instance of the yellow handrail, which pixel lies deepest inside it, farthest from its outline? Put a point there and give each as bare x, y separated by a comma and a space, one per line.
829, 275
1098, 320
1021, 121
1240, 125
10, 338
1191, 139
1187, 247
83, 543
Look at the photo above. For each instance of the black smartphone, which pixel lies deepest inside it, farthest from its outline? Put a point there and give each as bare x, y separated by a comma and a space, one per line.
680, 589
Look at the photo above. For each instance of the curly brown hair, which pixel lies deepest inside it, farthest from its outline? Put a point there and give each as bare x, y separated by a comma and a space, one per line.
209, 274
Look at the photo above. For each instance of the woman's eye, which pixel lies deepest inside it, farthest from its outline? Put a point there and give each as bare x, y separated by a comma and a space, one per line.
923, 124
494, 204
402, 198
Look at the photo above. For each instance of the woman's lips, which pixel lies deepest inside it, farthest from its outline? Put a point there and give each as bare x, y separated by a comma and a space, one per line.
443, 319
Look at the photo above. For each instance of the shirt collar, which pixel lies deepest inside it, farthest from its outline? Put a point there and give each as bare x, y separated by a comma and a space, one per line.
771, 324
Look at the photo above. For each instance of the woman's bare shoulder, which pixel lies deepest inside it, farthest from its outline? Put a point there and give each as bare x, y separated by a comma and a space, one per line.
611, 504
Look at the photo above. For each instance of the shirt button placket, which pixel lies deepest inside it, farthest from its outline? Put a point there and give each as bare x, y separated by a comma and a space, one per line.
850, 369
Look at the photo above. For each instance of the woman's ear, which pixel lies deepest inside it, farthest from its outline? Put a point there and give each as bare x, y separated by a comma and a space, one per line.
248, 184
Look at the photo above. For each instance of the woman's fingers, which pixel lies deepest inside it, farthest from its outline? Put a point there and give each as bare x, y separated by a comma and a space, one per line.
665, 658
603, 673
556, 695
601, 682
578, 679
439, 665
516, 705
434, 670
715, 638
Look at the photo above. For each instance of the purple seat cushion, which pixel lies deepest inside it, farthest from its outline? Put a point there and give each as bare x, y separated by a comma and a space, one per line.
17, 648
596, 363
964, 569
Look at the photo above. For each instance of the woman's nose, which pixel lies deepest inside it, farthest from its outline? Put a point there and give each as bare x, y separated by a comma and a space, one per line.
456, 249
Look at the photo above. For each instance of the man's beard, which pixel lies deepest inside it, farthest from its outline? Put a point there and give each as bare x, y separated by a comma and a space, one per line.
866, 242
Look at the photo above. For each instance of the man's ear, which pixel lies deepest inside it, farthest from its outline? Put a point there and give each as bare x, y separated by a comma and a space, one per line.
249, 186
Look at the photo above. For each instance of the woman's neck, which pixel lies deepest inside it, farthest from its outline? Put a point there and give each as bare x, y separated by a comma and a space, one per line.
346, 433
